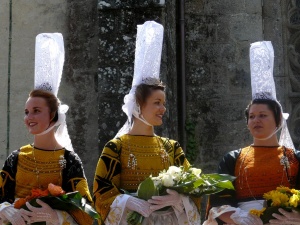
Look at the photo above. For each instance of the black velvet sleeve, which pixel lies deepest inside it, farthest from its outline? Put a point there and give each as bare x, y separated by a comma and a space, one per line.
73, 175
297, 153
226, 166
7, 180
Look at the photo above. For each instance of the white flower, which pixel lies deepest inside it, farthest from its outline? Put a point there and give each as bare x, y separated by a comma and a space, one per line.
197, 190
157, 181
167, 180
175, 172
196, 171
162, 173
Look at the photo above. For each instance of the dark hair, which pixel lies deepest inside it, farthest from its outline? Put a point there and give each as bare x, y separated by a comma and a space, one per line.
51, 100
272, 105
143, 91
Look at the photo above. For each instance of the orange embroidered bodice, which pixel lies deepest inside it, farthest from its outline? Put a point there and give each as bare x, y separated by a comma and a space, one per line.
260, 169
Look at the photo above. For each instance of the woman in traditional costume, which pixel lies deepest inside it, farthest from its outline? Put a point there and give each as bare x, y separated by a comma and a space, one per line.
267, 163
50, 158
137, 152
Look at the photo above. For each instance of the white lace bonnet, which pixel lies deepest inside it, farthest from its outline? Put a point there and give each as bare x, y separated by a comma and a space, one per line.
262, 82
49, 62
148, 50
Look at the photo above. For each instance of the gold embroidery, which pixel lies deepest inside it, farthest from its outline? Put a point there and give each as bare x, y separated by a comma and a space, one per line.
65, 215
49, 172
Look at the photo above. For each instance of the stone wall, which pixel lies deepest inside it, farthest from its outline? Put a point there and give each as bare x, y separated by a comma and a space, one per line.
99, 43
80, 82
292, 67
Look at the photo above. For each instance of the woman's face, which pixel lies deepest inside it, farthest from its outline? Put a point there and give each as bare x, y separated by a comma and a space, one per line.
37, 115
261, 121
154, 107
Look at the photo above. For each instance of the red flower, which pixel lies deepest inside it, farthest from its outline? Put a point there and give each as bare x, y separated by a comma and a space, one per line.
35, 193
20, 202
53, 190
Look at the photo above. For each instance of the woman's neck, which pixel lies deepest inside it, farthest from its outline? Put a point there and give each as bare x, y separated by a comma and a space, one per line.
46, 141
272, 141
140, 128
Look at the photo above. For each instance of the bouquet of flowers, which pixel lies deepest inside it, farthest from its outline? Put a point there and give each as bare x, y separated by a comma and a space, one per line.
56, 197
283, 197
189, 181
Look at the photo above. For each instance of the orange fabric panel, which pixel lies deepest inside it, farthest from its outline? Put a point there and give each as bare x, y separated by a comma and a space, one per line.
259, 170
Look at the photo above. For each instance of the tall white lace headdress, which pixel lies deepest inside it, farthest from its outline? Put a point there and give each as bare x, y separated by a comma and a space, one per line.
148, 50
262, 82
49, 62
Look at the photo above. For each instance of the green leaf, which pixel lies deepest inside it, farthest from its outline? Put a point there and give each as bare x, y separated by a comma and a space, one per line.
217, 176
67, 202
184, 188
134, 218
225, 184
199, 182
147, 189
90, 210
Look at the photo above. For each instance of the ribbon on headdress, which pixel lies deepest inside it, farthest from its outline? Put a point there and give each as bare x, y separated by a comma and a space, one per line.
49, 62
148, 50
263, 85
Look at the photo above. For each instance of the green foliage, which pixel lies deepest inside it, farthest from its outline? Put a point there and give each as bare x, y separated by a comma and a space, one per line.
147, 189
191, 182
67, 202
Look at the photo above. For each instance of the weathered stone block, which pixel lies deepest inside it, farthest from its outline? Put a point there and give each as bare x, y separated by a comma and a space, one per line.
239, 81
115, 80
121, 4
118, 51
194, 7
272, 8
201, 28
244, 27
254, 7
222, 7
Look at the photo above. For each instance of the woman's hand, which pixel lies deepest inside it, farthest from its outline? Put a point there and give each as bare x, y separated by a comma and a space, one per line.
242, 217
289, 218
139, 205
44, 213
12, 215
171, 199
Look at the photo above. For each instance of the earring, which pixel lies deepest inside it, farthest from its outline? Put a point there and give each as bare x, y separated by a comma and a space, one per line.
138, 108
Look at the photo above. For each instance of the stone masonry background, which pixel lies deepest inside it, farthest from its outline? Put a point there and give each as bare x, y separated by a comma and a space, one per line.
99, 44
